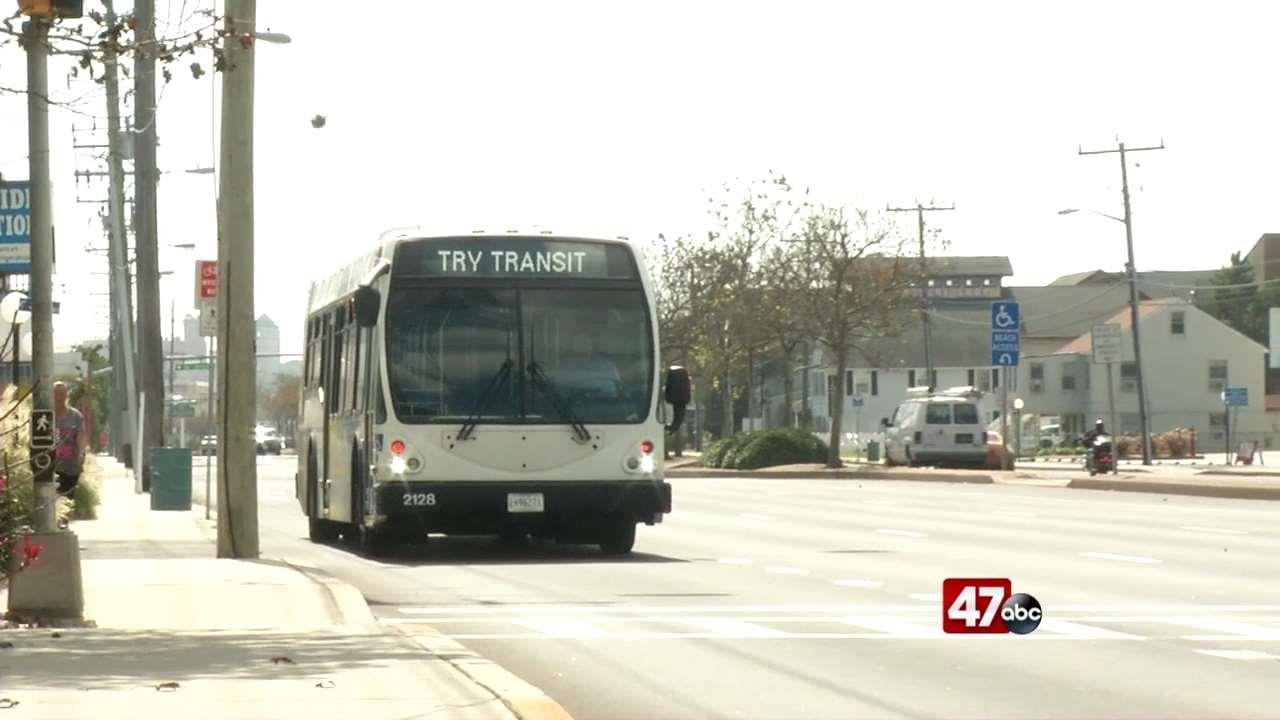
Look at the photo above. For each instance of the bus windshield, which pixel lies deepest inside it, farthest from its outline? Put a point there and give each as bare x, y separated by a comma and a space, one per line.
446, 347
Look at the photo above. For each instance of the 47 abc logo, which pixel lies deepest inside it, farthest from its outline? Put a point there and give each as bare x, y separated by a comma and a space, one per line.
987, 605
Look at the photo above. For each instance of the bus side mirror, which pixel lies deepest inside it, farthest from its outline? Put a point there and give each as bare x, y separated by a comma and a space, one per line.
884, 422
367, 301
678, 392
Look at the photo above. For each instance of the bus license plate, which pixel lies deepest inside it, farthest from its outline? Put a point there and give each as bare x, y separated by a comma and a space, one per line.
525, 502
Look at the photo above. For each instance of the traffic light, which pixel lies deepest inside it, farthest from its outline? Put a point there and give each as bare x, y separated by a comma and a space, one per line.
52, 8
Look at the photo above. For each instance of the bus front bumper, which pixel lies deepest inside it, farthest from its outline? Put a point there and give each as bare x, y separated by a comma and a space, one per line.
556, 507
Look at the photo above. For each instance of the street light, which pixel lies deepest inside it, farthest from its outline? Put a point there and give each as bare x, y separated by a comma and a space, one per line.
1130, 269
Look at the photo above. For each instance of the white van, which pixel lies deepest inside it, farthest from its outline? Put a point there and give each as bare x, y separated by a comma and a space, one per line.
939, 427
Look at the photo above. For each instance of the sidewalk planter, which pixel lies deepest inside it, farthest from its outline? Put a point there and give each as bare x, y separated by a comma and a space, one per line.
170, 479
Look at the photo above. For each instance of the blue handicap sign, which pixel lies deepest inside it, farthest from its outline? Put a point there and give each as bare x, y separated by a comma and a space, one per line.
1006, 338
1236, 397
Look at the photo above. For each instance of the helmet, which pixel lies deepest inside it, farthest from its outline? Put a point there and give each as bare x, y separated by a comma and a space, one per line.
1097, 425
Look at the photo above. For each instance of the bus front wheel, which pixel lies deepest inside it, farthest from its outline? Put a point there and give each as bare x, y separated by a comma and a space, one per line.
619, 537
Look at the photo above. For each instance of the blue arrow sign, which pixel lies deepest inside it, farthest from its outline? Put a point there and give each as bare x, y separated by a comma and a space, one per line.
1006, 338
1236, 397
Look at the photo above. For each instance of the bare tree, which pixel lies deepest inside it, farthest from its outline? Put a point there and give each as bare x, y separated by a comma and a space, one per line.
856, 285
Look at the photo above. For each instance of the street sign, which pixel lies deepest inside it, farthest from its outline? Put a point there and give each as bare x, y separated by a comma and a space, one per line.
1235, 397
15, 227
191, 365
42, 429
206, 280
182, 410
1006, 340
1108, 343
209, 317
24, 305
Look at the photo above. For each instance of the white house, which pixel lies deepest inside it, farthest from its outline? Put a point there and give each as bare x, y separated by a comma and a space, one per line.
1188, 359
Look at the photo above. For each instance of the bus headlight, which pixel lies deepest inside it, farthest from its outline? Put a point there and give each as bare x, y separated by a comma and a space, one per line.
398, 465
646, 463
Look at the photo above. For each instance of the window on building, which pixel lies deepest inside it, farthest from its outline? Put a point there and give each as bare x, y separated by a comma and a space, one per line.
1218, 425
848, 382
1217, 375
973, 378
1178, 322
875, 384
1128, 377
1068, 380
818, 383
995, 378
1037, 377
911, 378
933, 379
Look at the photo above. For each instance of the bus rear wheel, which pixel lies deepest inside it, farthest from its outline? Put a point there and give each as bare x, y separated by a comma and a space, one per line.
619, 537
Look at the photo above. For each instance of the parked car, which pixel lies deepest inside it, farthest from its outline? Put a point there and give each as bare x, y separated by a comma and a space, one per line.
268, 440
209, 445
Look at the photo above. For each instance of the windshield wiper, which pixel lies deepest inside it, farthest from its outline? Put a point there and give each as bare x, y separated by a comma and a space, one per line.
540, 379
499, 380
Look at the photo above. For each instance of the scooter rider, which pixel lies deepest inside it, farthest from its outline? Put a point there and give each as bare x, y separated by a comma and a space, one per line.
1090, 452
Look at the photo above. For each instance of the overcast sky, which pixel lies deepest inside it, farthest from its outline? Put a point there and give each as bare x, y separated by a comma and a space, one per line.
605, 116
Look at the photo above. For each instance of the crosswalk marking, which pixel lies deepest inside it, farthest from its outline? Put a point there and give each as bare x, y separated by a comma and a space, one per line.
561, 627
1080, 630
1240, 654
1227, 629
735, 628
893, 626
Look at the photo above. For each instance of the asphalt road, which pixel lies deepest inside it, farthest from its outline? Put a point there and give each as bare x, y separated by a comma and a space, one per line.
798, 598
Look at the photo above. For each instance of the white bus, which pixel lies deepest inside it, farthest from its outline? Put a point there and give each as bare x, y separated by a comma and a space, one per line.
485, 385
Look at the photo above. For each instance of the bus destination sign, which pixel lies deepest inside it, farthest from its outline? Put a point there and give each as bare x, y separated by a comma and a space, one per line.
514, 257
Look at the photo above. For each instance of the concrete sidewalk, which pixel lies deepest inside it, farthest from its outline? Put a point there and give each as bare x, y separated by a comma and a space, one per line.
182, 634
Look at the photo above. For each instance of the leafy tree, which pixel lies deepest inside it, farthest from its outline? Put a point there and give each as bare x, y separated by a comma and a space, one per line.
1239, 302
93, 395
856, 286
282, 404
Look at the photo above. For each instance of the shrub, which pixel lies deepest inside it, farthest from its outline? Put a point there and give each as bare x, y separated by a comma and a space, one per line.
1127, 446
768, 448
1175, 443
85, 499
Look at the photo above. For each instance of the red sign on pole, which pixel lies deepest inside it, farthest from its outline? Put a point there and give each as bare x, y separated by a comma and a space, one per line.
206, 280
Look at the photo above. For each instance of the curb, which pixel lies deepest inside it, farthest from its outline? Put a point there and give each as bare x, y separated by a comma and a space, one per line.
348, 604
833, 475
524, 700
1236, 492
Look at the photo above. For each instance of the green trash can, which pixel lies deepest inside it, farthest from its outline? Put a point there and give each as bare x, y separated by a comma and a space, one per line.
873, 452
170, 479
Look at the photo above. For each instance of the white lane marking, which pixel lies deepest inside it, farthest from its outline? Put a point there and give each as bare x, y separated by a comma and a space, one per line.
1120, 558
1013, 513
735, 561
858, 583
1240, 654
754, 516
894, 626
881, 502
735, 628
1092, 611
1222, 531
903, 533
561, 627
786, 570
926, 597
1223, 627
1078, 630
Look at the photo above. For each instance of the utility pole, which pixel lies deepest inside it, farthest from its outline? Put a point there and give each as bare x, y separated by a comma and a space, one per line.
236, 361
168, 400
53, 587
1133, 290
36, 36
119, 250
920, 210
150, 343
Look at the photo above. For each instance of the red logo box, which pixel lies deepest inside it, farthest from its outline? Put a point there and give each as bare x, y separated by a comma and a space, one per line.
972, 605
